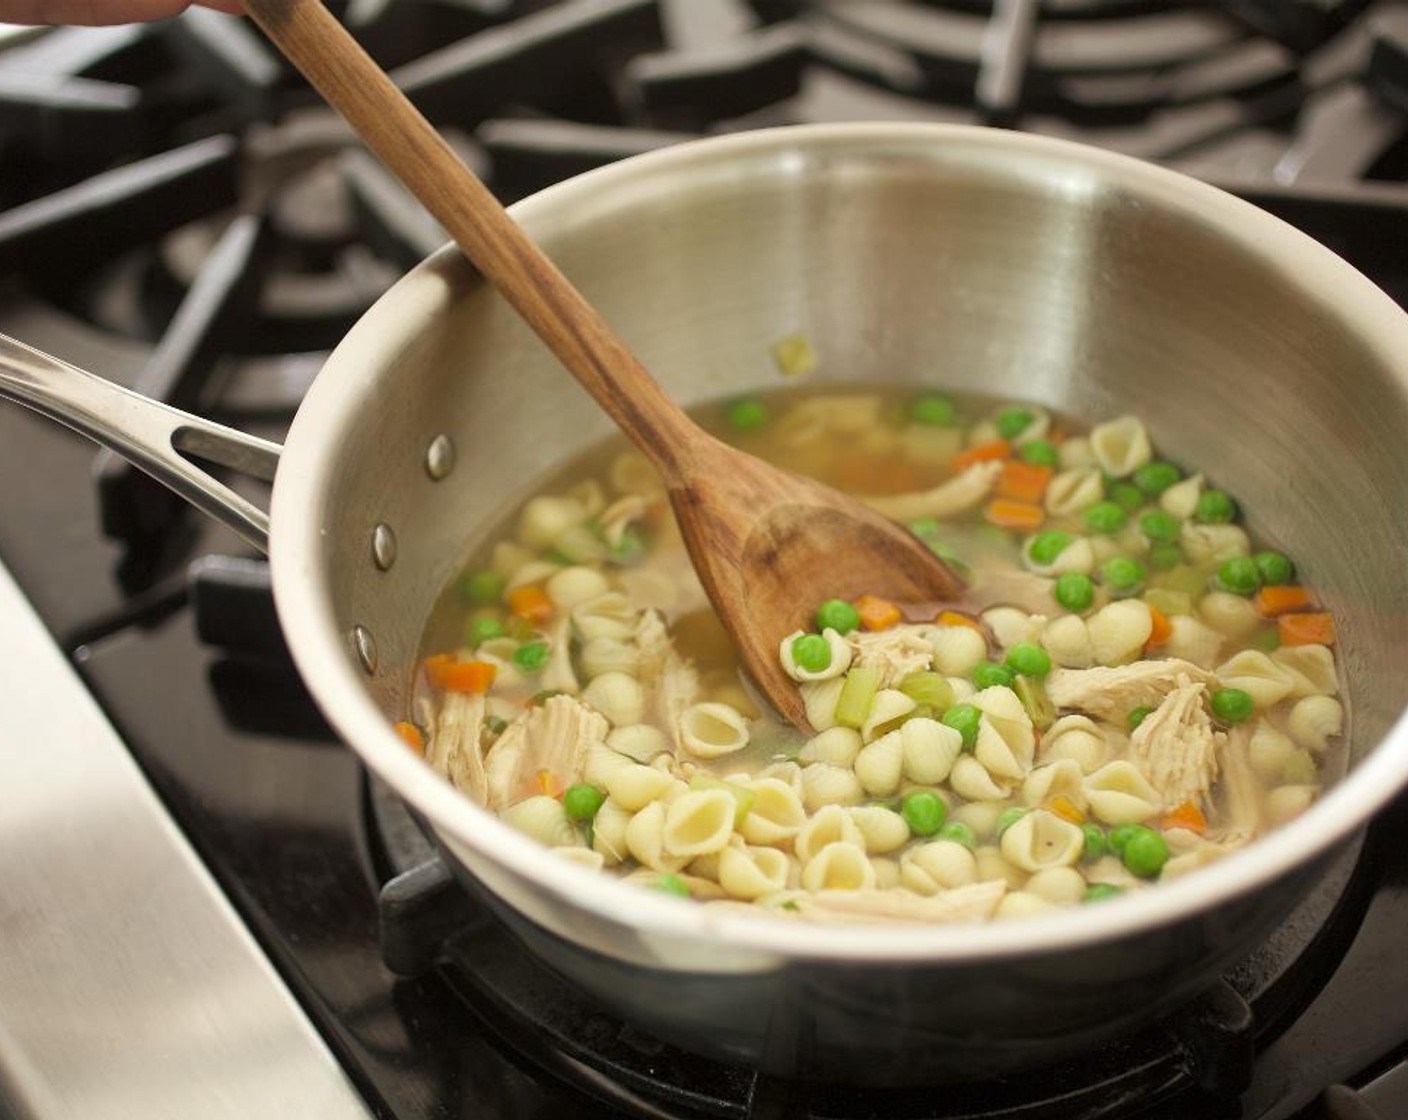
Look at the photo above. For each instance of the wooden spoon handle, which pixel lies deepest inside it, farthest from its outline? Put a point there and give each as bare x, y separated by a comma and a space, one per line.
394, 129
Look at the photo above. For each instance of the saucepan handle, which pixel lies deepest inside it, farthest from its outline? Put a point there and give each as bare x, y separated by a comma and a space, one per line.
165, 442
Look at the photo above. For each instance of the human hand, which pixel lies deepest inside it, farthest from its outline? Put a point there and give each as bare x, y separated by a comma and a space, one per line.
102, 11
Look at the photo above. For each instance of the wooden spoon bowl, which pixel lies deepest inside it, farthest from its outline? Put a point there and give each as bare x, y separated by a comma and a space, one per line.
768, 545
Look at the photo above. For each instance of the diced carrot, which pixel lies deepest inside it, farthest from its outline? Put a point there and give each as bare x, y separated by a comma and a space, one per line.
876, 613
547, 784
1279, 599
1188, 816
1308, 628
953, 618
460, 676
1007, 514
410, 733
531, 602
1162, 628
1067, 809
1023, 482
982, 453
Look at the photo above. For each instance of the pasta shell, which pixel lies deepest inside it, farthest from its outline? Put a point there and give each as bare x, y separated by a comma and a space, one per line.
639, 741
980, 816
1212, 544
569, 586
1061, 886
542, 818
1009, 626
972, 782
827, 826
882, 830
1286, 802
1315, 720
993, 865
1075, 453
880, 765
826, 785
610, 615
601, 762
776, 815
1056, 779
840, 657
1077, 556
1118, 793
631, 473
836, 745
839, 866
1039, 840
609, 832
930, 750
936, 866
1074, 490
1067, 640
712, 730
1311, 669
609, 655
584, 857
1004, 712
889, 707
1257, 675
645, 839
1119, 630
819, 699
618, 696
957, 649
545, 518
1020, 904
1120, 446
634, 786
1230, 615
1077, 738
699, 822
1193, 641
751, 873
1181, 499
1269, 750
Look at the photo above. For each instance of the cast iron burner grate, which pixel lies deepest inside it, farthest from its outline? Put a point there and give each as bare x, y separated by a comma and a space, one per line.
1196, 1062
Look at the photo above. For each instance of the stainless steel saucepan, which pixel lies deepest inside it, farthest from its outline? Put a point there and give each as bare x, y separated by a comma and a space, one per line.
966, 258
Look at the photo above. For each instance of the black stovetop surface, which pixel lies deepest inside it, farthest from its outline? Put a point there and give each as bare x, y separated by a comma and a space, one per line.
120, 249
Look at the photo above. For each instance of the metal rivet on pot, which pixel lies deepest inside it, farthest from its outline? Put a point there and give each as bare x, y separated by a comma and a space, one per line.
383, 547
440, 457
365, 645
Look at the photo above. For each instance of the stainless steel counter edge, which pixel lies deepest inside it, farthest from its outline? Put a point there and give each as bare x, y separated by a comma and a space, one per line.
128, 985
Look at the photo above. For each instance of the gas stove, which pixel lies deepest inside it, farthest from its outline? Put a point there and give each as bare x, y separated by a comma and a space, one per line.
208, 907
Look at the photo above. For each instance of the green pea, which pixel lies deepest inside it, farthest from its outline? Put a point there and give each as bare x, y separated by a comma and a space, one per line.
989, 674
935, 411
1007, 818
1029, 659
1138, 715
1160, 527
1232, 704
811, 652
1106, 517
1164, 557
558, 557
1275, 568
963, 718
1239, 575
1145, 852
1128, 496
531, 656
1156, 477
1123, 574
1075, 591
497, 725
1099, 892
1045, 547
1096, 845
838, 615
482, 588
1119, 836
543, 695
1012, 422
670, 883
629, 547
483, 628
958, 832
582, 801
924, 811
747, 415
1266, 639
1041, 452
924, 527
1215, 507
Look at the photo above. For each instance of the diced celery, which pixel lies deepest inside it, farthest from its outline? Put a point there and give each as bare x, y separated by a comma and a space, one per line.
743, 798
1032, 694
927, 688
857, 694
1186, 578
1169, 600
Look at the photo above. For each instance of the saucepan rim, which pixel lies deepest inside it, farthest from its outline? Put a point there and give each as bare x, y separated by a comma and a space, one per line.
321, 647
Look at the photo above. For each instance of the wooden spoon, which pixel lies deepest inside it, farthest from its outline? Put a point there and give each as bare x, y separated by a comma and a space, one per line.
768, 545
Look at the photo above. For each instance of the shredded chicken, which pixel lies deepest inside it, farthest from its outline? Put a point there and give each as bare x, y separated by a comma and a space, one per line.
1112, 693
1176, 746
1241, 797
558, 675
895, 652
679, 688
949, 498
653, 641
454, 750
553, 736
